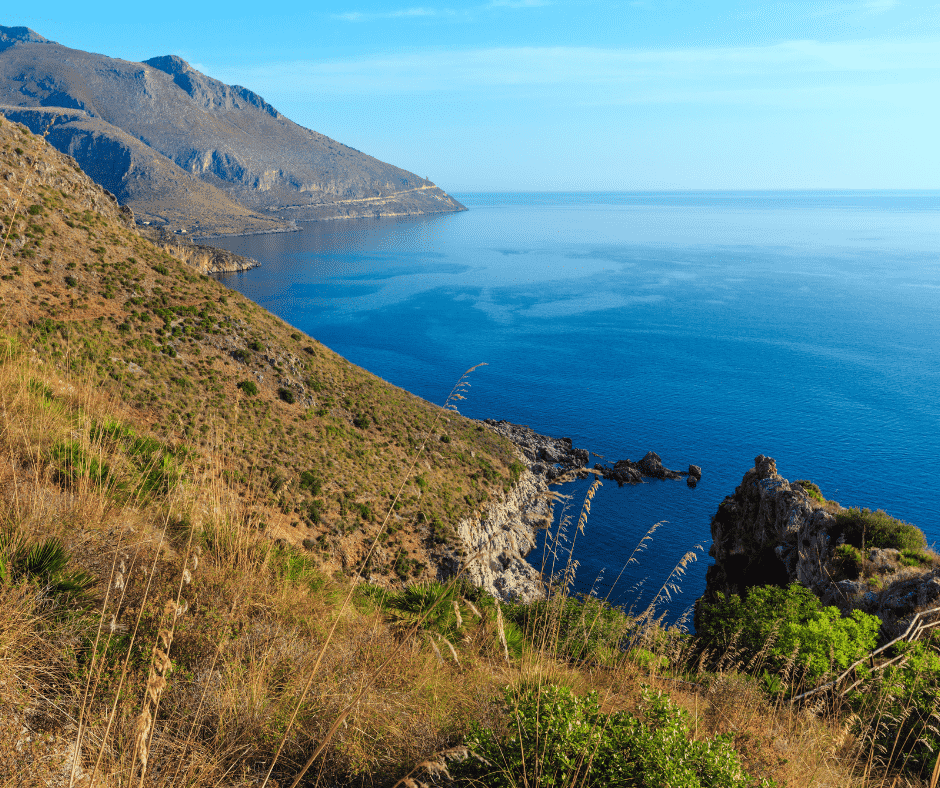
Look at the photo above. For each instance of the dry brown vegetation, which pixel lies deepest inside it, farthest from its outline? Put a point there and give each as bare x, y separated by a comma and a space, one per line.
184, 354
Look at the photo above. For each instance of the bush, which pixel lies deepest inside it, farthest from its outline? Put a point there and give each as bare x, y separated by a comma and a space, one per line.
812, 490
578, 629
555, 738
903, 707
916, 558
310, 480
44, 563
848, 561
249, 387
287, 396
773, 623
864, 528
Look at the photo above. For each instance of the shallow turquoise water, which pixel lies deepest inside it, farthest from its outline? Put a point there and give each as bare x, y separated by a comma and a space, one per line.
708, 327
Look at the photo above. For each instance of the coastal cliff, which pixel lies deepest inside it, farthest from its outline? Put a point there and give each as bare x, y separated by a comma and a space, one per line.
497, 543
775, 532
205, 259
494, 545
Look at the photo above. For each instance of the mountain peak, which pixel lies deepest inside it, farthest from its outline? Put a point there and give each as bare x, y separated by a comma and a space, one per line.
169, 64
14, 35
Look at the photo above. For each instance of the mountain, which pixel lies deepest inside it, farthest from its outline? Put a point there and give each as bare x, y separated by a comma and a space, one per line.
185, 150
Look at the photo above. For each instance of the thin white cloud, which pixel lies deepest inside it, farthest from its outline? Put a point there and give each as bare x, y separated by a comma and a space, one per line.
586, 67
518, 3
402, 13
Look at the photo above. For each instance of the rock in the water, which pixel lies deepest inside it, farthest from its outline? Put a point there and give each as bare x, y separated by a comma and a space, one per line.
695, 472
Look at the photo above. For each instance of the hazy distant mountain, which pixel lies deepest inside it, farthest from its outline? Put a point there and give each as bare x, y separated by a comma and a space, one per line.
182, 148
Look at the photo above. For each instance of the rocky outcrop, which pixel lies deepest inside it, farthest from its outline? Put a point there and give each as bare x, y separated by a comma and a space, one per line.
772, 532
550, 457
768, 532
496, 545
557, 459
205, 259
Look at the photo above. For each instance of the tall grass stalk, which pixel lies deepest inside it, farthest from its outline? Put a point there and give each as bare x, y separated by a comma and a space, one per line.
457, 393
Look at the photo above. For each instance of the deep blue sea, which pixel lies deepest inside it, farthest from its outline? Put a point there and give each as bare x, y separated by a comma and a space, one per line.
709, 327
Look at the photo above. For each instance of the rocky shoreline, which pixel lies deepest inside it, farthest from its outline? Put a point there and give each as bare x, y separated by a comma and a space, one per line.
496, 544
556, 458
205, 259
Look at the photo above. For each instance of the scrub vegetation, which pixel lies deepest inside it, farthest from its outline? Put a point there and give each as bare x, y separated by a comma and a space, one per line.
203, 583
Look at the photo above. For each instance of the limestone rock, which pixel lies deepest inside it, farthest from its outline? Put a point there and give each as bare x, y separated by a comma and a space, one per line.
770, 532
496, 544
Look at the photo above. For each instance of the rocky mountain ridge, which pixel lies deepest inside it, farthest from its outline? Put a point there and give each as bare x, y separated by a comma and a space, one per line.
188, 151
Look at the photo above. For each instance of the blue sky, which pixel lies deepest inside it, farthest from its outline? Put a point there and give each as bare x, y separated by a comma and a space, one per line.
561, 95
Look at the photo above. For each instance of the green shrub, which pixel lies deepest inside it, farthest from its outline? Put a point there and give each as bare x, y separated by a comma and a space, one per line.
161, 269
249, 387
576, 628
292, 566
44, 563
72, 463
848, 561
812, 490
864, 528
916, 558
553, 738
773, 623
901, 709
287, 396
361, 422
310, 480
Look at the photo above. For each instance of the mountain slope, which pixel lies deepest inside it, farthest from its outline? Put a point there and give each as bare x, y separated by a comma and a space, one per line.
318, 446
193, 129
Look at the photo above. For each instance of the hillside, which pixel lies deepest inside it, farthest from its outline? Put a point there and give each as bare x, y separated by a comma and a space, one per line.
320, 444
186, 150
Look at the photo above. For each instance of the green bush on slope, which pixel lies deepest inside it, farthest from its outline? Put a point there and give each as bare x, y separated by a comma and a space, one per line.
864, 528
555, 738
771, 624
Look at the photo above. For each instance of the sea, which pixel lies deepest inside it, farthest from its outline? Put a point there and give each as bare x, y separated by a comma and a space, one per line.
709, 327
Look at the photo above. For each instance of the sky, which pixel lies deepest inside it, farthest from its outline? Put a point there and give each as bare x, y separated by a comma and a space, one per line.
571, 95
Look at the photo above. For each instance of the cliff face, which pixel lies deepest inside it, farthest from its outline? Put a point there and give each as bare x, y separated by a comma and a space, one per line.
496, 544
768, 532
185, 149
771, 532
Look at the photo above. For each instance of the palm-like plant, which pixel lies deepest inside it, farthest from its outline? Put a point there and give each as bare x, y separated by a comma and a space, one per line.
44, 563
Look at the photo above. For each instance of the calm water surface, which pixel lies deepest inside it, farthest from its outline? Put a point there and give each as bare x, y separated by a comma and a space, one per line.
708, 327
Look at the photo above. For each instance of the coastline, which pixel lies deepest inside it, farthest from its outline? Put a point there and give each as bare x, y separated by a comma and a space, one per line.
498, 542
